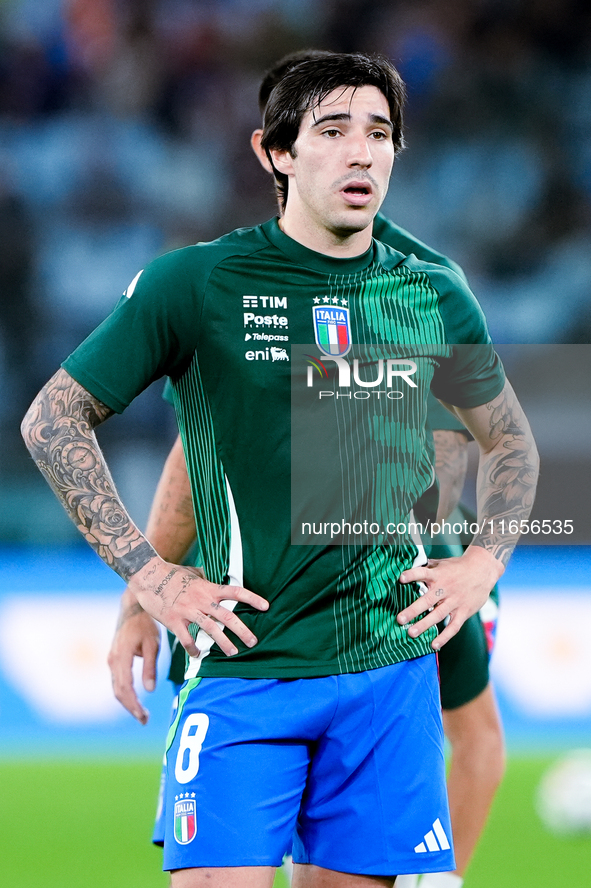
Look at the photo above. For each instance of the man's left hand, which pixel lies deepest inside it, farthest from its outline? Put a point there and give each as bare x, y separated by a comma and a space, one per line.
456, 588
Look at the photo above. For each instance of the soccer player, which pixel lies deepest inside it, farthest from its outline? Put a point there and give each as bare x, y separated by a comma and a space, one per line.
470, 715
317, 700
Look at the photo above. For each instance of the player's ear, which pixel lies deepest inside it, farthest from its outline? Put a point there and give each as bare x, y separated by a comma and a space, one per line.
255, 143
282, 161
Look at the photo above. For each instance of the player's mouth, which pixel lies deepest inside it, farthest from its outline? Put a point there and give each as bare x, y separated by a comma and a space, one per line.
357, 194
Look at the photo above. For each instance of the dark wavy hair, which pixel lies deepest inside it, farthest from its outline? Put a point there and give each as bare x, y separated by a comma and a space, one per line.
277, 72
306, 84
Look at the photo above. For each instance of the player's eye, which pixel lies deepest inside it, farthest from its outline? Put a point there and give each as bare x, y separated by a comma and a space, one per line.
331, 133
380, 135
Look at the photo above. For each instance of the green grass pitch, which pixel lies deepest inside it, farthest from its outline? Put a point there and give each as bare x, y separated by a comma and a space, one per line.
86, 823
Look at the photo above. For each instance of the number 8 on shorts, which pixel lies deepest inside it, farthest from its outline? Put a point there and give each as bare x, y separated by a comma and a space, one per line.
191, 741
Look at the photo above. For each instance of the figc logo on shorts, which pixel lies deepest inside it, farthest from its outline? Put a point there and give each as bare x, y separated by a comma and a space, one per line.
185, 820
332, 329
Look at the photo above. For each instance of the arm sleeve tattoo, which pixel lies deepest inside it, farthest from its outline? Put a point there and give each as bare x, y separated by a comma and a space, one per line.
507, 477
59, 433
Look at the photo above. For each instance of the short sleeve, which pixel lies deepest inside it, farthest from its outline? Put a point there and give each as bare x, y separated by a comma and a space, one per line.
472, 376
473, 373
151, 333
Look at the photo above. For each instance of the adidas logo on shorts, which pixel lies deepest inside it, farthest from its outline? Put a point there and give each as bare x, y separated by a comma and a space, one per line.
435, 840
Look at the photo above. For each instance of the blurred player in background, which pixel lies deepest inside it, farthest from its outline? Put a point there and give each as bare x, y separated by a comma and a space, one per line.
470, 715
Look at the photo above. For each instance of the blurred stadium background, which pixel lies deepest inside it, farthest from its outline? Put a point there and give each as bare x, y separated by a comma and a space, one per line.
124, 128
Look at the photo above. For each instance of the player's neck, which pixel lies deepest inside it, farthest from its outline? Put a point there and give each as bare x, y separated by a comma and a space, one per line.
324, 240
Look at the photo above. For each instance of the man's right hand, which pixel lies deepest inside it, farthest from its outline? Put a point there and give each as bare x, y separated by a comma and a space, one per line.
177, 596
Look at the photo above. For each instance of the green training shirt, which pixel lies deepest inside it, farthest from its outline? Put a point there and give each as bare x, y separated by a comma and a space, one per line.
270, 346
438, 417
399, 239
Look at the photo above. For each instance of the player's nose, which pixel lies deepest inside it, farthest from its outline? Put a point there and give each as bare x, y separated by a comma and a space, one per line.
360, 151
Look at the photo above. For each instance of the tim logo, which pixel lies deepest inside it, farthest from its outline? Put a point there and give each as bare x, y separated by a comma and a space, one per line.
264, 301
332, 329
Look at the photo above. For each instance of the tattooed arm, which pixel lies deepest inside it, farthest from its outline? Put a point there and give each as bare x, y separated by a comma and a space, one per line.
507, 478
451, 462
507, 471
59, 432
171, 530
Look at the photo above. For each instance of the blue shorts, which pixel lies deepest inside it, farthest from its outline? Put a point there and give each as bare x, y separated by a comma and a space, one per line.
347, 768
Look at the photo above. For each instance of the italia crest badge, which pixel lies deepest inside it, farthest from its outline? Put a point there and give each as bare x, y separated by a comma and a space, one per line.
185, 821
332, 329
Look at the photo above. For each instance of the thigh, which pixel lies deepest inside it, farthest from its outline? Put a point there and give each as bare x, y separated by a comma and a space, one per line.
376, 800
234, 777
309, 876
224, 877
476, 726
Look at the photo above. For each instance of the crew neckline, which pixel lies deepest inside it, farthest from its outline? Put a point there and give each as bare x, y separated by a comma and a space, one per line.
311, 258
